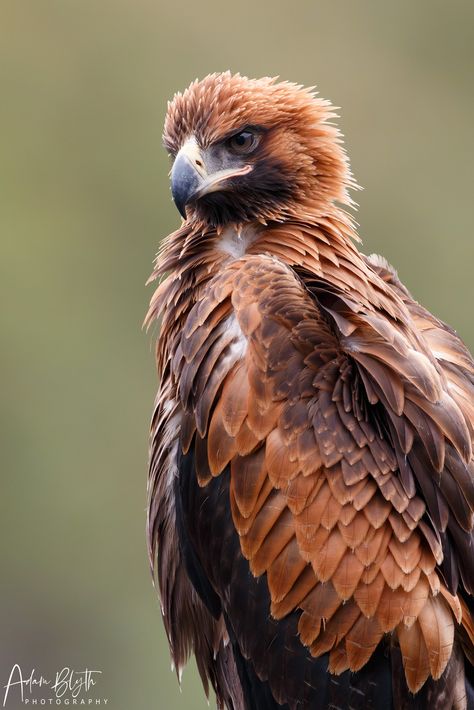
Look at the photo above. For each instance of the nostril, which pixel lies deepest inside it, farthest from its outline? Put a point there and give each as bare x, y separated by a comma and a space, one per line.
198, 163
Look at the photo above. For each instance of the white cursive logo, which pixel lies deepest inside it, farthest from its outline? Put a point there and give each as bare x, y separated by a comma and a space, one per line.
69, 688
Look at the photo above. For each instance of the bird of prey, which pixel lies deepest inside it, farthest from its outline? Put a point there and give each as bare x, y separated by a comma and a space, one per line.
311, 479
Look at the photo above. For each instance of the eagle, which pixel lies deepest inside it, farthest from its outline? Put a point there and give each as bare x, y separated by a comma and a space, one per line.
311, 475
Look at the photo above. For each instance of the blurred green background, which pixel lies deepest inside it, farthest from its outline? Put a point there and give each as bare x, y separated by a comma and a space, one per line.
84, 203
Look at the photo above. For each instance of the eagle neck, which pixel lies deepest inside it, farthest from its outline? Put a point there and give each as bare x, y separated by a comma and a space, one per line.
310, 243
190, 257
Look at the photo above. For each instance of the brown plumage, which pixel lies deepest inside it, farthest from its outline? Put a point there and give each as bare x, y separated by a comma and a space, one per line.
311, 489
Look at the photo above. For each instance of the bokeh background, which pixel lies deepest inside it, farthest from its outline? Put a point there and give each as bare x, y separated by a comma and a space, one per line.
84, 202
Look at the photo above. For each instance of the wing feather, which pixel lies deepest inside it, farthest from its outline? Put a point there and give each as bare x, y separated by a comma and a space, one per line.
349, 449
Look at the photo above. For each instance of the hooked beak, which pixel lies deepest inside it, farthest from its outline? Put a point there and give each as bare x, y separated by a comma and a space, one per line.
190, 179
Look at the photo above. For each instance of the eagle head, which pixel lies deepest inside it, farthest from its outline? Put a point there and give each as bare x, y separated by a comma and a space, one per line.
247, 150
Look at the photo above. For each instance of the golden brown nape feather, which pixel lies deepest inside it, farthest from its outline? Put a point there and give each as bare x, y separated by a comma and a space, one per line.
313, 427
299, 169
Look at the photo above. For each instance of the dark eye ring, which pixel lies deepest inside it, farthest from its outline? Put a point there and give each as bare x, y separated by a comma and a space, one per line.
244, 142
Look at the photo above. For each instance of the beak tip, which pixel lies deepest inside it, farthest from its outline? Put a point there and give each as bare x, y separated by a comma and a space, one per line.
180, 206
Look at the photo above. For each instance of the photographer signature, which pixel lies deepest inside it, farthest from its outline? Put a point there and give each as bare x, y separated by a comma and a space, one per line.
67, 682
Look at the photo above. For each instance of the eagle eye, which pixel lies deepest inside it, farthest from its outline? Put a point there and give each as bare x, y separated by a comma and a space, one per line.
243, 142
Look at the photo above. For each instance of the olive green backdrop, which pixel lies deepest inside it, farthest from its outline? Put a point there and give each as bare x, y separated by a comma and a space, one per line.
84, 202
